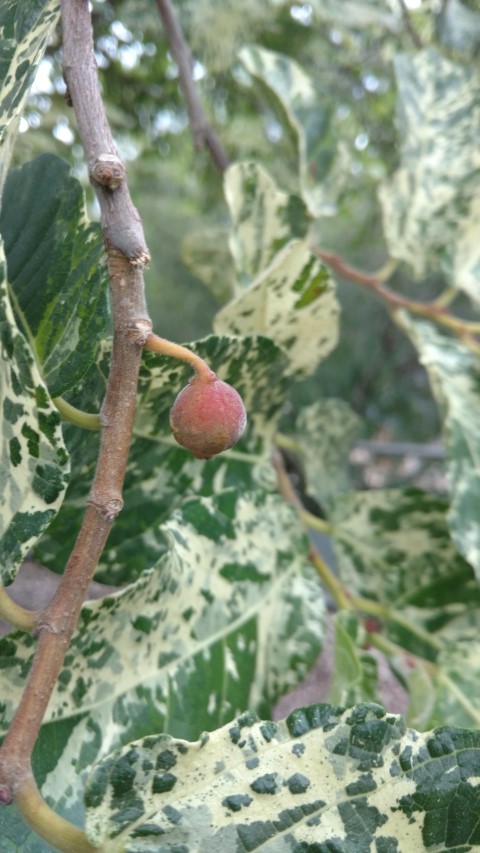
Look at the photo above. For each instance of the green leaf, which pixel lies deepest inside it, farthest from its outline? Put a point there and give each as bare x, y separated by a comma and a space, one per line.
56, 269
322, 779
34, 465
264, 219
354, 669
25, 29
205, 253
307, 119
454, 372
431, 205
293, 301
160, 473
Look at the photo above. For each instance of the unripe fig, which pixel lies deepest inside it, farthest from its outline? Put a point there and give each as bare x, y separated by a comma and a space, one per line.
208, 416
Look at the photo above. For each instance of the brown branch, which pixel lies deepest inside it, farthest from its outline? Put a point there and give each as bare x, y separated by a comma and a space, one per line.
127, 253
465, 329
203, 134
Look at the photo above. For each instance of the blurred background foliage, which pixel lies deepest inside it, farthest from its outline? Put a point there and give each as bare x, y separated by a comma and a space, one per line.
347, 49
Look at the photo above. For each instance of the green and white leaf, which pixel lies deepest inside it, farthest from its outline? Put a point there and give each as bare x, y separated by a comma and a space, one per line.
293, 302
323, 779
326, 431
25, 28
431, 205
160, 473
357, 14
306, 118
393, 547
34, 461
56, 269
264, 219
230, 617
454, 373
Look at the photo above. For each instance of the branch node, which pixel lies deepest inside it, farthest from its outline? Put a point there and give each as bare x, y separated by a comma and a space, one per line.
44, 626
141, 259
140, 331
108, 510
108, 170
6, 798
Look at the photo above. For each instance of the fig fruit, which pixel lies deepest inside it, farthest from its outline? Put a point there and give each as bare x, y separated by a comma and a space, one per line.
208, 416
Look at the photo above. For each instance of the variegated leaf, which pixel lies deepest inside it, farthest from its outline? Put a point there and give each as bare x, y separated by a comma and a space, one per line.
393, 547
325, 432
320, 780
293, 301
264, 219
454, 372
447, 690
34, 465
56, 269
307, 119
357, 14
431, 205
160, 473
231, 617
25, 27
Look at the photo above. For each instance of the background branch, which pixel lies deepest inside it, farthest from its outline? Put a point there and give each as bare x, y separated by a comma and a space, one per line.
127, 253
409, 25
203, 134
465, 329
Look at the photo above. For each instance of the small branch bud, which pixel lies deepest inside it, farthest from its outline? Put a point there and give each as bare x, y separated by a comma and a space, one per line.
6, 798
108, 170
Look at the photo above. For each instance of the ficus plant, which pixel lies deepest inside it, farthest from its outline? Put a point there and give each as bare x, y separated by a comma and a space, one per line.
144, 719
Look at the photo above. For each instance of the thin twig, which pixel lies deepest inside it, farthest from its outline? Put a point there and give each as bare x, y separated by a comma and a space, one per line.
431, 310
409, 26
203, 134
127, 253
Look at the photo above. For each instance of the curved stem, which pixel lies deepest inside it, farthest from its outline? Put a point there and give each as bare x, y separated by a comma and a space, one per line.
315, 523
164, 347
330, 580
54, 829
432, 310
288, 443
76, 416
15, 614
